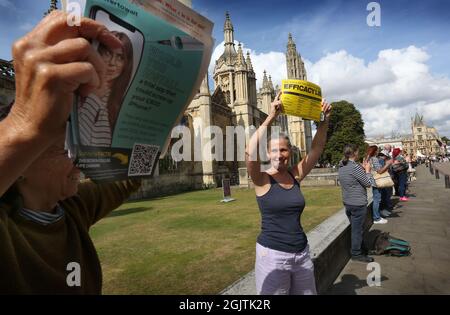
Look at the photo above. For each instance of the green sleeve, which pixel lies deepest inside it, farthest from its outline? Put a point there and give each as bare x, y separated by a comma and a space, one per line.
95, 201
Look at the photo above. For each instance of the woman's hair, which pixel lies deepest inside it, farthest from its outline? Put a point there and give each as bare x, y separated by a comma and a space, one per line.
280, 135
349, 151
120, 84
372, 151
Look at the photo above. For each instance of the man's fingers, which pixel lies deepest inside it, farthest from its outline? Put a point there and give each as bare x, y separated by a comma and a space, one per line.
74, 76
56, 28
75, 50
44, 24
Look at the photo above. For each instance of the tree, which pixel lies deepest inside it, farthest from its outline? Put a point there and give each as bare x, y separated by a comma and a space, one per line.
346, 126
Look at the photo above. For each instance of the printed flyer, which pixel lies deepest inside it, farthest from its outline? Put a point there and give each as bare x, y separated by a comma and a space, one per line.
122, 128
302, 98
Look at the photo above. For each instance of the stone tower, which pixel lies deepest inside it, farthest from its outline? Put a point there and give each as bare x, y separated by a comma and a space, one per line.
299, 129
294, 62
235, 79
234, 75
266, 94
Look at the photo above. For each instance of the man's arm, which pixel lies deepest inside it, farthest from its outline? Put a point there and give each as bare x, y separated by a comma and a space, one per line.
95, 201
51, 62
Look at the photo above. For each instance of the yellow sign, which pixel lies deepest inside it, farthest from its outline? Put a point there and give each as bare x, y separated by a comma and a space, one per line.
302, 98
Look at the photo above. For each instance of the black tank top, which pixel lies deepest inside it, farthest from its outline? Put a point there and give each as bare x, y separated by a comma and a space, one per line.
280, 218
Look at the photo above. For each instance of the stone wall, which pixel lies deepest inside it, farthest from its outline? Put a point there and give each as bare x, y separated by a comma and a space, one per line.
330, 248
167, 184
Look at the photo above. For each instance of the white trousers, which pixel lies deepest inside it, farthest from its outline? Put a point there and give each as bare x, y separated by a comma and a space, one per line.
279, 272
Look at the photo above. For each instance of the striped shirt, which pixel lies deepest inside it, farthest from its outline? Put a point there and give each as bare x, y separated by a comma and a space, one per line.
354, 182
43, 218
93, 122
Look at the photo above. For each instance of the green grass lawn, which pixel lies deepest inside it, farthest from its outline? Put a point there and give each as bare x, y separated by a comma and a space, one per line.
189, 243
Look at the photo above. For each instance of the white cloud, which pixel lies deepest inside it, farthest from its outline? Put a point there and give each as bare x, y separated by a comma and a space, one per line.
388, 90
383, 120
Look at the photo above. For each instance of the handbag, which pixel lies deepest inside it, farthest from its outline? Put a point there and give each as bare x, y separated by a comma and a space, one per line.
383, 180
397, 168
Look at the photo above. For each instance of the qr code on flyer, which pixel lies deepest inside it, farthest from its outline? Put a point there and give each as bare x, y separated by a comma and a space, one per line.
142, 159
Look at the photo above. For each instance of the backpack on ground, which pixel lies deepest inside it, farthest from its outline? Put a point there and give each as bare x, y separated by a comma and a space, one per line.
387, 245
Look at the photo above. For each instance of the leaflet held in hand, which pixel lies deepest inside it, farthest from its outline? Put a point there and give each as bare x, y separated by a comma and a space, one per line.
302, 99
121, 129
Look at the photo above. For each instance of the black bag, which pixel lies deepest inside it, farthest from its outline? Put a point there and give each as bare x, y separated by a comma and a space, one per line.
390, 246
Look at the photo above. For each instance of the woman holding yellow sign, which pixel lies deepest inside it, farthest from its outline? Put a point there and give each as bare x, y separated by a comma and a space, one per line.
283, 264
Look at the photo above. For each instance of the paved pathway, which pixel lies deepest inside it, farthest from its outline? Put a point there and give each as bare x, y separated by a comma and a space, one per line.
425, 222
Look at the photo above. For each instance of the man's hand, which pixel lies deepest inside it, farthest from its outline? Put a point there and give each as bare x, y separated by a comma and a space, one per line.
52, 62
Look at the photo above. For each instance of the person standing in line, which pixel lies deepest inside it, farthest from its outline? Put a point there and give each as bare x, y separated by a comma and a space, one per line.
376, 192
354, 180
386, 193
400, 168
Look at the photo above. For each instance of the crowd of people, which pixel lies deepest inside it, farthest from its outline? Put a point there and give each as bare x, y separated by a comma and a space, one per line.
355, 178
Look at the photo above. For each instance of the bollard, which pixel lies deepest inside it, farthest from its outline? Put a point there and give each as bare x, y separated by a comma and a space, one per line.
447, 181
437, 173
431, 170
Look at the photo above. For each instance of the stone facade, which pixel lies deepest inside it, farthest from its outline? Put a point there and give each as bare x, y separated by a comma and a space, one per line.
235, 101
424, 139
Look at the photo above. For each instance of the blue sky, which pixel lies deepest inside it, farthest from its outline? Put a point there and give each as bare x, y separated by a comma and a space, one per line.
408, 54
327, 26
317, 26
